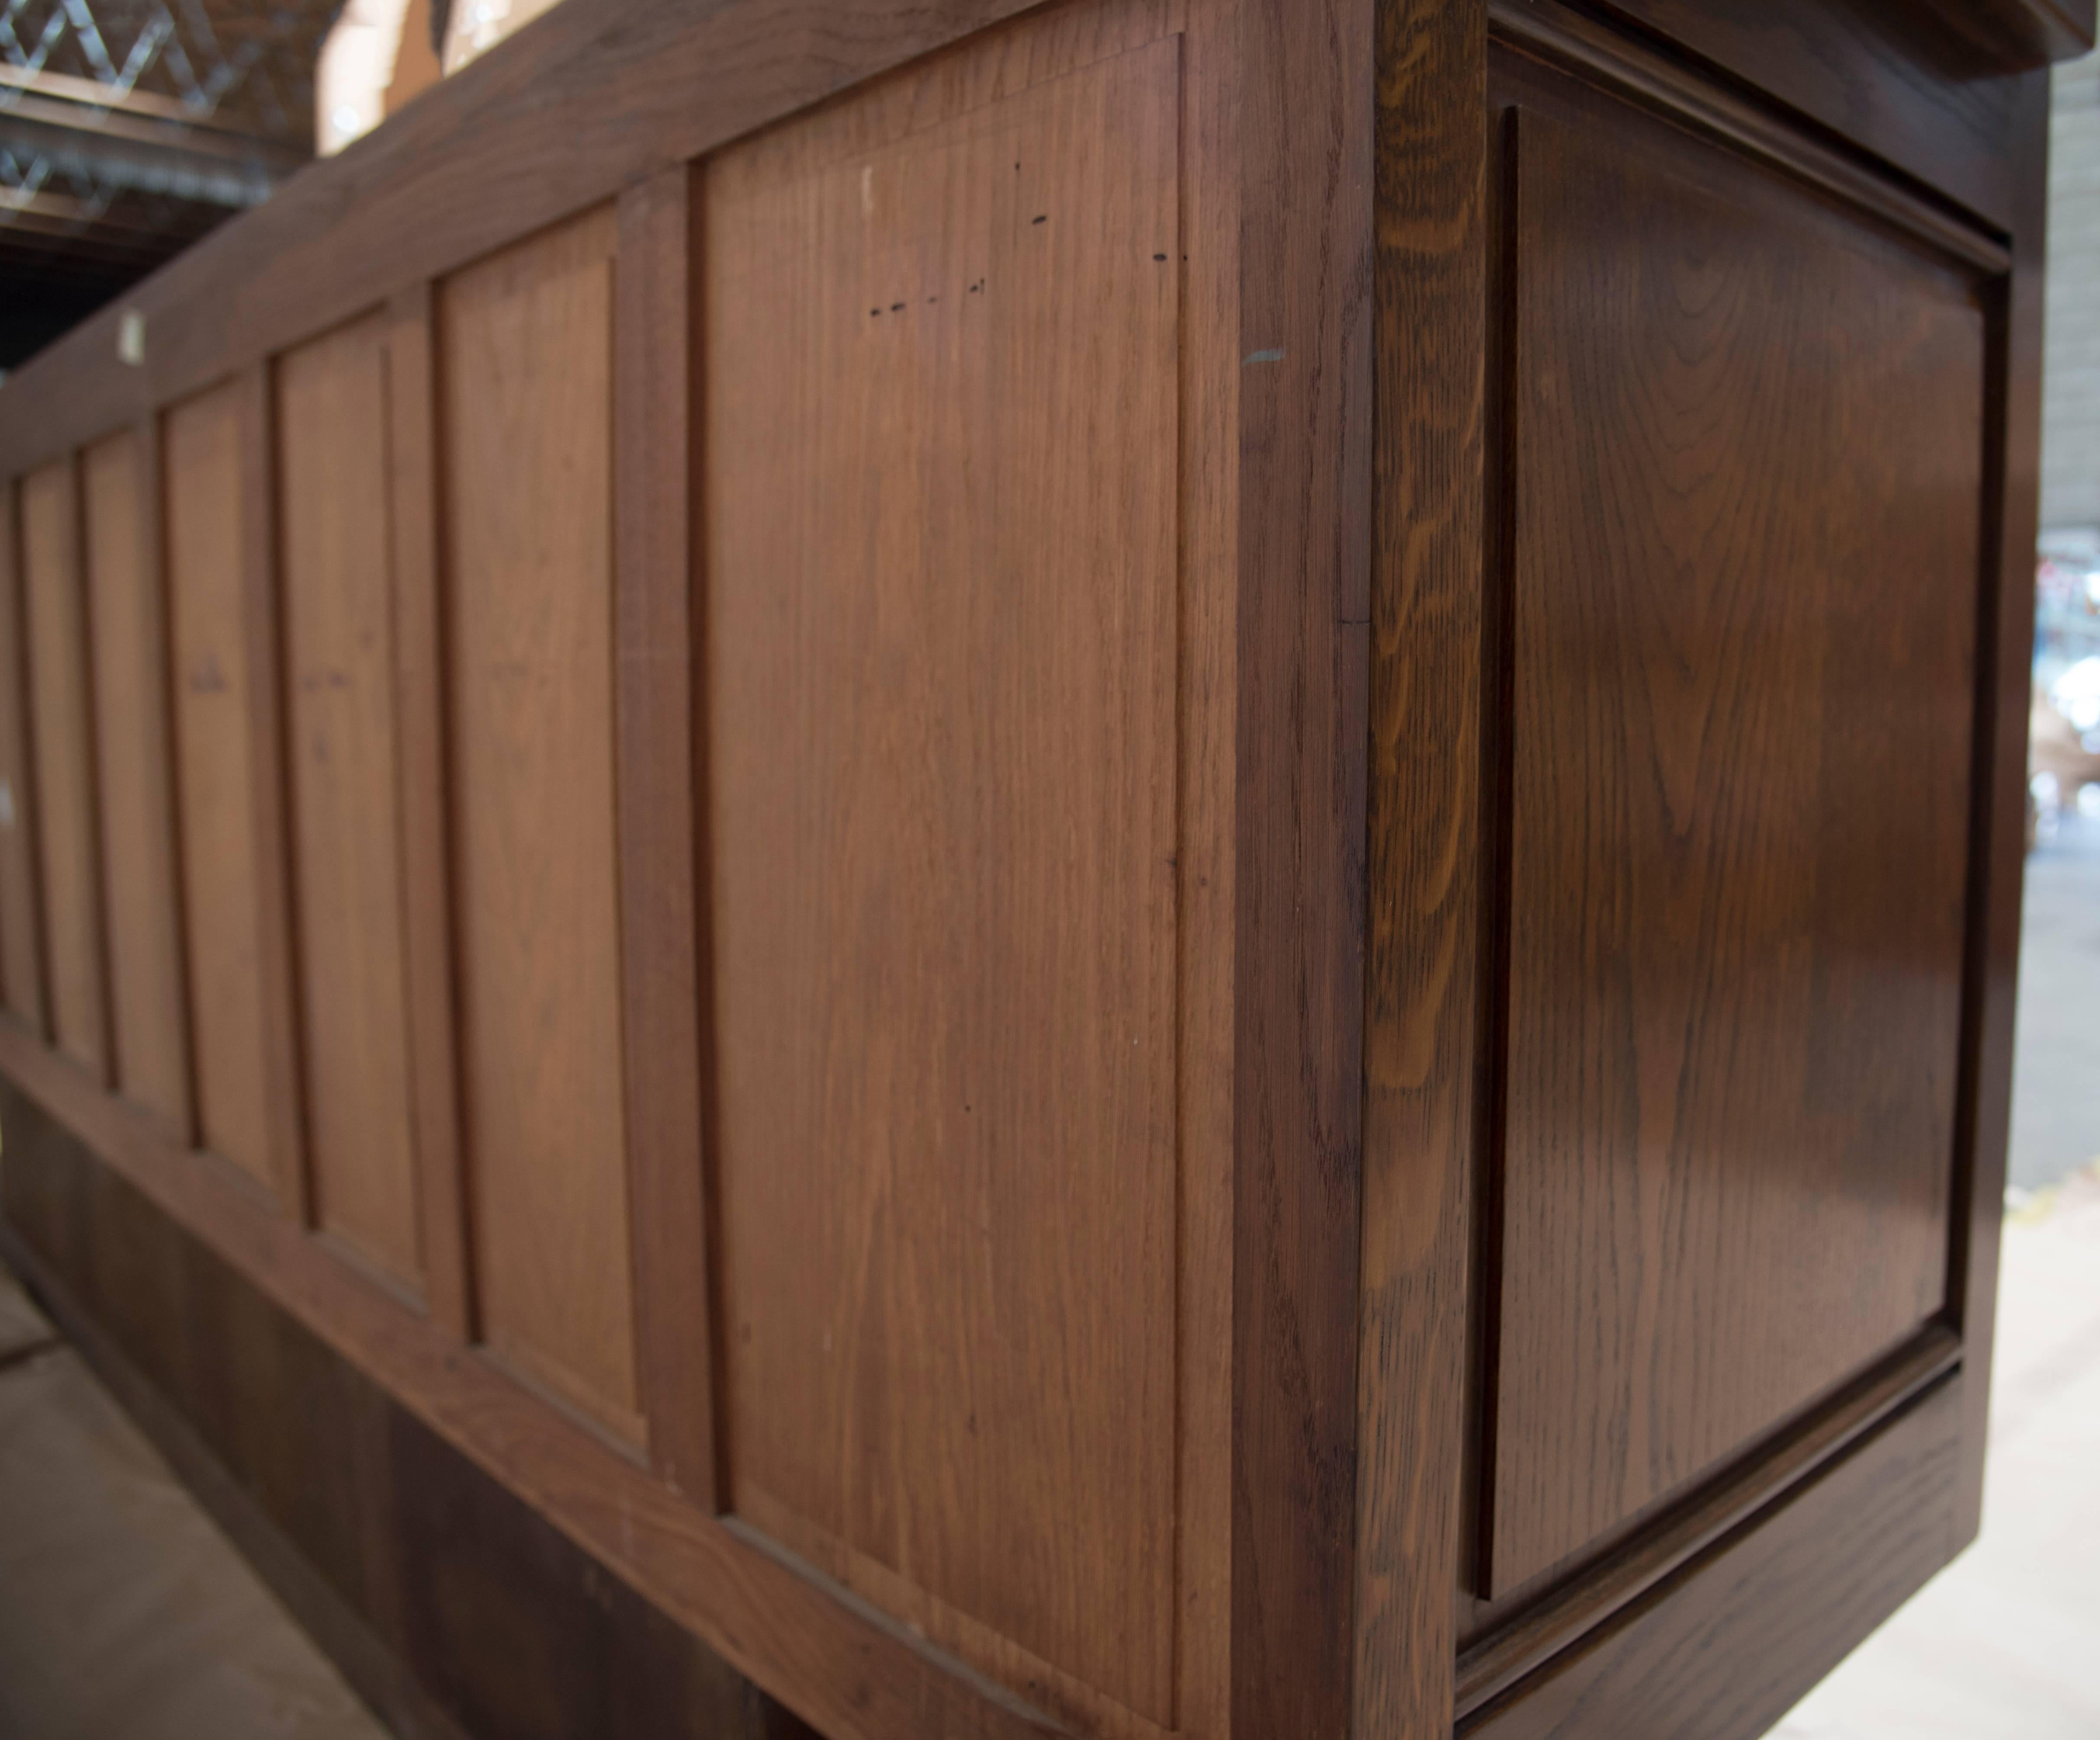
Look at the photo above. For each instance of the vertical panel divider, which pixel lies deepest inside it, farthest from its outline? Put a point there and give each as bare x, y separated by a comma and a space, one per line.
273, 918
13, 627
1422, 1013
425, 874
153, 555
654, 394
98, 846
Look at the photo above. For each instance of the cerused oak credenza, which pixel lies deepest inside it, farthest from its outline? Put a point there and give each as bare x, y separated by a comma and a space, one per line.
1134, 867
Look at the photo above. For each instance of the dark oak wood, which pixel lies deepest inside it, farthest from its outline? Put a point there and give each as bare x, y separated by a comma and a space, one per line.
1734, 1000
1649, 75
655, 471
1725, 1648
1581, 1604
1069, 742
1892, 79
1306, 131
1423, 970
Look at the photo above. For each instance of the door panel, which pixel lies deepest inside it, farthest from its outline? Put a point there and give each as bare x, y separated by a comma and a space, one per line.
942, 589
131, 740
525, 350
221, 829
64, 742
339, 649
1743, 457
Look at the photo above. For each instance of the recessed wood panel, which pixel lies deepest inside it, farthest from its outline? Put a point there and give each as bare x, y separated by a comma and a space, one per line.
336, 550
56, 599
137, 819
1745, 457
215, 763
21, 963
527, 355
941, 449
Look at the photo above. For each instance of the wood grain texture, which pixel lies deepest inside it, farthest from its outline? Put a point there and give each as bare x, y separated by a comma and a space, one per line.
336, 543
62, 725
120, 479
216, 780
1727, 1648
419, 752
1422, 974
942, 583
526, 343
1307, 269
560, 117
21, 934
851, 1676
1740, 767
656, 485
1895, 81
1542, 1628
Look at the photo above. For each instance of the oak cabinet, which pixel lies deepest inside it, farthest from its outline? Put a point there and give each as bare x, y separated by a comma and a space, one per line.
1136, 868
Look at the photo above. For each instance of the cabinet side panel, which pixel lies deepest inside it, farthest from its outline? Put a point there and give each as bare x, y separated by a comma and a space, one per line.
526, 350
215, 753
21, 962
131, 719
940, 572
64, 744
1746, 468
332, 427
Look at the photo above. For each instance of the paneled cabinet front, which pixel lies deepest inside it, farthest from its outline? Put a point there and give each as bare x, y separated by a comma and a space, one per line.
1136, 868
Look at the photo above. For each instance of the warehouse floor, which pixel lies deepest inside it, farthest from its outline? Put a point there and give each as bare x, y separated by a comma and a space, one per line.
1999, 1646
124, 1614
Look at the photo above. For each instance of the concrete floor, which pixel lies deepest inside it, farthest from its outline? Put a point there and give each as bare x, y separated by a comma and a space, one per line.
2004, 1644
124, 1614
2056, 1076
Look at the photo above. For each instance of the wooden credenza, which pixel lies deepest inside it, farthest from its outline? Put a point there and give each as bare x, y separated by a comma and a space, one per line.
1133, 868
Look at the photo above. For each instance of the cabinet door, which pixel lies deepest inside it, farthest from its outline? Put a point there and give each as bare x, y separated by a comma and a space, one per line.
1748, 432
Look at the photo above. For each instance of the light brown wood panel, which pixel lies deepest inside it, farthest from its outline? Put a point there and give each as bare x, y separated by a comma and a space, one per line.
215, 770
940, 458
1745, 452
62, 729
525, 345
339, 613
21, 948
119, 477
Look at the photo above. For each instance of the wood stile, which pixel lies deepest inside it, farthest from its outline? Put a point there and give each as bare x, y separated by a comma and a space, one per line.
21, 935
